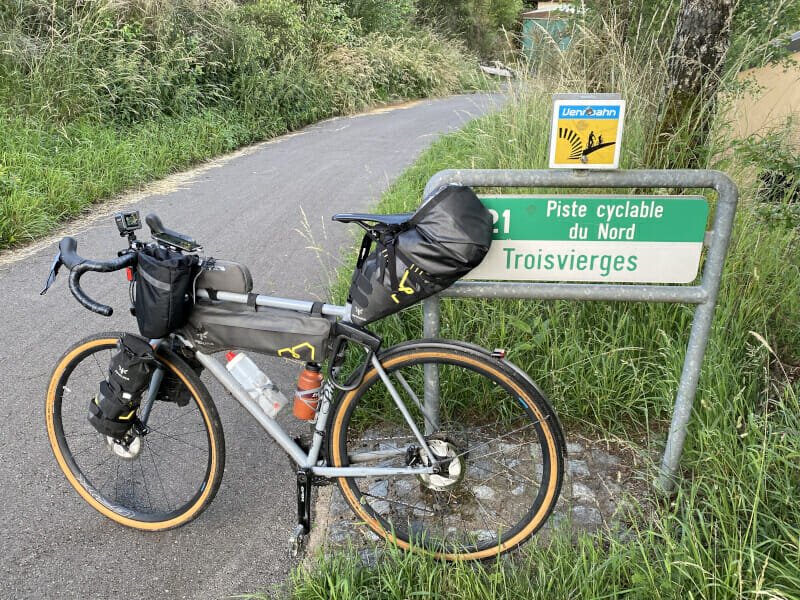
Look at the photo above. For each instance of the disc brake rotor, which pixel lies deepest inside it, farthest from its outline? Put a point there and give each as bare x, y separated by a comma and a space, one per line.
127, 453
455, 469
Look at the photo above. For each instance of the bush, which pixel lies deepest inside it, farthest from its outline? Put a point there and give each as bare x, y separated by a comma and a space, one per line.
77, 77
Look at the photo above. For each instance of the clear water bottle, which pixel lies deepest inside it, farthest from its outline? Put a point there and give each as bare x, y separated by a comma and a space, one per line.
257, 384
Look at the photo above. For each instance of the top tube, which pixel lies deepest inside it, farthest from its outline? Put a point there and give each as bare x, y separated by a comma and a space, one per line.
333, 310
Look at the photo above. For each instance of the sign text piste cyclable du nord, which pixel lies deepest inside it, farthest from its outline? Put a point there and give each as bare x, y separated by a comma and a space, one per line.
610, 239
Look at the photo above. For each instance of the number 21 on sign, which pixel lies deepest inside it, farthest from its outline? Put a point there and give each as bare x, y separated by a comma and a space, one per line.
505, 216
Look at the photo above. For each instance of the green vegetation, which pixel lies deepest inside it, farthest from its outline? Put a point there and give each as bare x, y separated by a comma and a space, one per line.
612, 371
96, 97
486, 26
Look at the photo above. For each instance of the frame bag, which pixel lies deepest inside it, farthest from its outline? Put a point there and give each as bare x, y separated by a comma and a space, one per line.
219, 326
163, 290
113, 410
447, 237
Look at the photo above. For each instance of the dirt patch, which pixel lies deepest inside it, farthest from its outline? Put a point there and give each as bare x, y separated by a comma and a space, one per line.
608, 487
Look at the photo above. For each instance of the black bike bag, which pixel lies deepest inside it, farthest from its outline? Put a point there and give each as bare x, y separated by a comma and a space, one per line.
447, 237
216, 326
163, 290
113, 410
225, 276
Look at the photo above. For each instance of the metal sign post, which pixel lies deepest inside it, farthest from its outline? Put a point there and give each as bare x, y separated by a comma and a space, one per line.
703, 295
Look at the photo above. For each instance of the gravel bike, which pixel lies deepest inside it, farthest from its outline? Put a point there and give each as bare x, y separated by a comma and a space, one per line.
439, 446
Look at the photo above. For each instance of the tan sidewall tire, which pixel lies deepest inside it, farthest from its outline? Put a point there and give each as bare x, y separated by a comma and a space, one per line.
533, 399
204, 402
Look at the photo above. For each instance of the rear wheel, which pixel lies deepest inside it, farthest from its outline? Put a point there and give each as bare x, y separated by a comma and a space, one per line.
159, 480
501, 439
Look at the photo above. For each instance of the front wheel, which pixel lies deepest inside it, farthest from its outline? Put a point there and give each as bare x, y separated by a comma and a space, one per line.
162, 479
501, 439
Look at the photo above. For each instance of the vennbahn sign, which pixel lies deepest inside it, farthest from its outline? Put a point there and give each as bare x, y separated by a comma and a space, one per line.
589, 112
611, 239
587, 131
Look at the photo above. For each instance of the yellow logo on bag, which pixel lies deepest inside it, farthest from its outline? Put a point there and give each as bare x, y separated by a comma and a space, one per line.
294, 350
403, 287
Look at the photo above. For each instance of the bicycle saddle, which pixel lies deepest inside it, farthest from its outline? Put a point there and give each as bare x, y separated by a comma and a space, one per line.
363, 219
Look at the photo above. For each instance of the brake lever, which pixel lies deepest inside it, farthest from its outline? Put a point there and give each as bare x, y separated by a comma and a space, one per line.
51, 279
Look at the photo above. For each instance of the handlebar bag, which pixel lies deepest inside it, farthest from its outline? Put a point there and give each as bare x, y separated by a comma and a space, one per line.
112, 411
216, 326
447, 237
163, 290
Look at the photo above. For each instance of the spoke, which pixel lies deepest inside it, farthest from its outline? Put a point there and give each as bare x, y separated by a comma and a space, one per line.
172, 437
158, 475
176, 435
109, 456
182, 415
116, 485
87, 449
180, 474
395, 502
144, 483
469, 451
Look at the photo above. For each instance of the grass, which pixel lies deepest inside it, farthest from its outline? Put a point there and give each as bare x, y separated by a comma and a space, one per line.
612, 371
100, 97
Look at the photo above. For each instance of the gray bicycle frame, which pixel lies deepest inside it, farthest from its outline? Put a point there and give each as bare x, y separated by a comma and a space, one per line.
272, 427
703, 295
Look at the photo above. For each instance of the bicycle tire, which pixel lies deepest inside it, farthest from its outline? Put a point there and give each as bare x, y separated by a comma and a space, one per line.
508, 450
176, 469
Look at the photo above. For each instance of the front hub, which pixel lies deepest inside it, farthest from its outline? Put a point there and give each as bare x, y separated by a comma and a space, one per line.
127, 449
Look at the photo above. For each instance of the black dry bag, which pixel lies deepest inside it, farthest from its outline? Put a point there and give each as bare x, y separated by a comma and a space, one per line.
113, 410
447, 237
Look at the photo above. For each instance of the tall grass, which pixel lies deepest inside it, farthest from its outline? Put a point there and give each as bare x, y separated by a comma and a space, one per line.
612, 371
99, 96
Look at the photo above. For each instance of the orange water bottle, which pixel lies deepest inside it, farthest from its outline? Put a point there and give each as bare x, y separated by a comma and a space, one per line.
306, 398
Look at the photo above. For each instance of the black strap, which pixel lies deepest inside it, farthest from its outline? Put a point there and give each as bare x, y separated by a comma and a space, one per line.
251, 301
212, 294
366, 245
392, 266
316, 309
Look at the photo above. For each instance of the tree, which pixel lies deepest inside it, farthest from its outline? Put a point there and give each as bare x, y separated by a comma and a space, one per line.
694, 67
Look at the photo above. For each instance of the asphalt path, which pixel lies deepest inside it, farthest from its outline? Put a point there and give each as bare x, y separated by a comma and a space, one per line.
269, 207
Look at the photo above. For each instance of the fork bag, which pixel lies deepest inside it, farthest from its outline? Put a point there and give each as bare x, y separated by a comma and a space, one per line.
113, 410
442, 241
217, 326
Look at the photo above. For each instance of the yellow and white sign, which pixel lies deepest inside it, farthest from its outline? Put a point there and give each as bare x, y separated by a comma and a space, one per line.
587, 131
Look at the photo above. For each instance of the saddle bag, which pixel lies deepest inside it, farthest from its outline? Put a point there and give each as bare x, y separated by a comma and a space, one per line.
113, 410
217, 326
447, 237
163, 290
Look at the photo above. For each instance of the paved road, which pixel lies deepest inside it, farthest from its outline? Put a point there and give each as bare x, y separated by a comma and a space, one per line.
250, 208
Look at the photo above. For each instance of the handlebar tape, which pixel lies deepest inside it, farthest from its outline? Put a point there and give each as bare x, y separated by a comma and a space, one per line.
78, 265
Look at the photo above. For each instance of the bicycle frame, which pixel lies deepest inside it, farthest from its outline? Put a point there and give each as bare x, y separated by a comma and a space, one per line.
310, 461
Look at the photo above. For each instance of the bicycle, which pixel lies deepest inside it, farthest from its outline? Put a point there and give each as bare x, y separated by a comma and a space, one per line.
469, 478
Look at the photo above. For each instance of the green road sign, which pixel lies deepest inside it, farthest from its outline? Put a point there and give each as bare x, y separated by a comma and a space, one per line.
656, 239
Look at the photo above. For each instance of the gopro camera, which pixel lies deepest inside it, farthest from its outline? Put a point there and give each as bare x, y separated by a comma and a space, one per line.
128, 222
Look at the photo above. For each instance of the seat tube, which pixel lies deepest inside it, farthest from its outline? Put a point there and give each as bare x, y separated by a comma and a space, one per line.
430, 309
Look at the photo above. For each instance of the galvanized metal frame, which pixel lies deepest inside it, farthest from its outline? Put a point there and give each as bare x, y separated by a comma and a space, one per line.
703, 295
